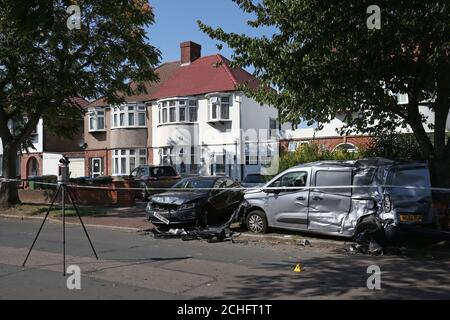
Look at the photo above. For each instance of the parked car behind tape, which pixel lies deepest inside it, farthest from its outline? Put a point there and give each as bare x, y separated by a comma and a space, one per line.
152, 177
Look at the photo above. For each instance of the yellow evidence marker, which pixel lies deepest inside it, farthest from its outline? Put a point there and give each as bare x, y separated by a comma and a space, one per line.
298, 268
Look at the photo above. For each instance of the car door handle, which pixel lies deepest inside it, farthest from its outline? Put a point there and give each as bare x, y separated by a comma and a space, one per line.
301, 198
317, 198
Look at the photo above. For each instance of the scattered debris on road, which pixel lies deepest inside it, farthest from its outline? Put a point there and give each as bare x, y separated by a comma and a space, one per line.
210, 234
303, 243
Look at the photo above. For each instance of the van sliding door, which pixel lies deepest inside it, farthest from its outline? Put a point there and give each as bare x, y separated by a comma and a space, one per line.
328, 206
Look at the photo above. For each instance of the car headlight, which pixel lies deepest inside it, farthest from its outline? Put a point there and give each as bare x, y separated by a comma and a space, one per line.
387, 203
187, 206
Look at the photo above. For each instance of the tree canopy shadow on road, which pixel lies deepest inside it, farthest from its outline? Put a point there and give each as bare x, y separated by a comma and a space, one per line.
344, 277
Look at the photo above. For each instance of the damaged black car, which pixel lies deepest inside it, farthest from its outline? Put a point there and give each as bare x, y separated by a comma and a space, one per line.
196, 201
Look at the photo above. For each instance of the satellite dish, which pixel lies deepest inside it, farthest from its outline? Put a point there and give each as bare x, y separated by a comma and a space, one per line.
82, 144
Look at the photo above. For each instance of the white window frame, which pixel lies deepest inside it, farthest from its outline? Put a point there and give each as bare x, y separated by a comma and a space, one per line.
217, 101
294, 144
165, 106
126, 112
251, 153
402, 98
266, 153
1, 165
165, 156
127, 157
93, 116
350, 150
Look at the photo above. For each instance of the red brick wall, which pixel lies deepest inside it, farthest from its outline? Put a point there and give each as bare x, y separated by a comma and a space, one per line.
25, 160
150, 156
104, 154
331, 142
109, 196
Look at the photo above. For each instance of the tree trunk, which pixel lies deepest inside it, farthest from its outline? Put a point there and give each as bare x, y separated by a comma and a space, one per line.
8, 190
440, 178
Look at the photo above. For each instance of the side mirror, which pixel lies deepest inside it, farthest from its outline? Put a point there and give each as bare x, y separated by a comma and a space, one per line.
270, 190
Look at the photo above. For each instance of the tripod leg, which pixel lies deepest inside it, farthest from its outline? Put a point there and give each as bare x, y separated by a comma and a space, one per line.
82, 224
64, 227
42, 224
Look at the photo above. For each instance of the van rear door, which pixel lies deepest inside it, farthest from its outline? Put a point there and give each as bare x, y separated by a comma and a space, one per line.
329, 203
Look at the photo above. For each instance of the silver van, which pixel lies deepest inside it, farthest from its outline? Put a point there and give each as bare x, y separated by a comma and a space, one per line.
342, 197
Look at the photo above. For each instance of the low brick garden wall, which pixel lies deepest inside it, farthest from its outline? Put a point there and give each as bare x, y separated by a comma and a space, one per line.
109, 196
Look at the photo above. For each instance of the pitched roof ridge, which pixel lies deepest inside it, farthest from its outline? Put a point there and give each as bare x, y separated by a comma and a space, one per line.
227, 68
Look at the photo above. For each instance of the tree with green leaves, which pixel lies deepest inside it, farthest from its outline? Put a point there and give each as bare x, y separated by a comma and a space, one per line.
328, 58
52, 51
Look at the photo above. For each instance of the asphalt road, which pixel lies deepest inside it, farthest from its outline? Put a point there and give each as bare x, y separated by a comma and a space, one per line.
137, 266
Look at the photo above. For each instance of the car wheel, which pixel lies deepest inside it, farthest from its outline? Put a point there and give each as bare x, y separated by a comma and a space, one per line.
256, 222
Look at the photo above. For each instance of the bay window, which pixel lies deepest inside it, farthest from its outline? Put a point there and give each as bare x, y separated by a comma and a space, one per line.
193, 111
96, 120
126, 160
129, 116
176, 111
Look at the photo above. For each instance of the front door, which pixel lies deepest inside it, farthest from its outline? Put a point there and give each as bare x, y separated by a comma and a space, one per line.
288, 208
328, 206
97, 169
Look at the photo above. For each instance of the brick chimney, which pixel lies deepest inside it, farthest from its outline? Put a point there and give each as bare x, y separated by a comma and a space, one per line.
190, 51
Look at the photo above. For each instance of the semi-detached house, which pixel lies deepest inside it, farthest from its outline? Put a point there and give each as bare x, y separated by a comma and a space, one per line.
47, 148
194, 118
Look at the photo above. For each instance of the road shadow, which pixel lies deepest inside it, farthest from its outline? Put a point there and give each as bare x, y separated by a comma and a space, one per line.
344, 277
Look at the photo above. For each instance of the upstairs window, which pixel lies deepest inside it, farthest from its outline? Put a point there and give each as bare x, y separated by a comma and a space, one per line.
177, 111
96, 120
219, 108
129, 116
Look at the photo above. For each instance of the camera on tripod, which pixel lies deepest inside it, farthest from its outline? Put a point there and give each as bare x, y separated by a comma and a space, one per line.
63, 171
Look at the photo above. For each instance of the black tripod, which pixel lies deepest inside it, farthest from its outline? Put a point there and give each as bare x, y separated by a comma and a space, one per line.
63, 188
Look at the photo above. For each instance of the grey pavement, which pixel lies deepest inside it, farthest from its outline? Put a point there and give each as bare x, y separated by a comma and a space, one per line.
136, 266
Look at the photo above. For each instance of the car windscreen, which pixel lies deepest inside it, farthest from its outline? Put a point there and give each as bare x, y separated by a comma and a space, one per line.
254, 178
194, 184
162, 172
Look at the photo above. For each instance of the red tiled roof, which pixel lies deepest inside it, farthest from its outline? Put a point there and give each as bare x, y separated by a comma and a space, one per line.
164, 71
79, 101
205, 75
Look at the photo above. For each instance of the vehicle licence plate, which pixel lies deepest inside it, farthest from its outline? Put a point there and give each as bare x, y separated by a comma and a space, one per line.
410, 218
161, 218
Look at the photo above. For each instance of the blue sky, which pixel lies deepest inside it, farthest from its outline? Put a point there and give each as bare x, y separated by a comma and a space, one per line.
176, 22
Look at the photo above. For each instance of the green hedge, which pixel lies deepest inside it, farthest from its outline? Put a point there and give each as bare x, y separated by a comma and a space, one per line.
313, 152
34, 182
91, 181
